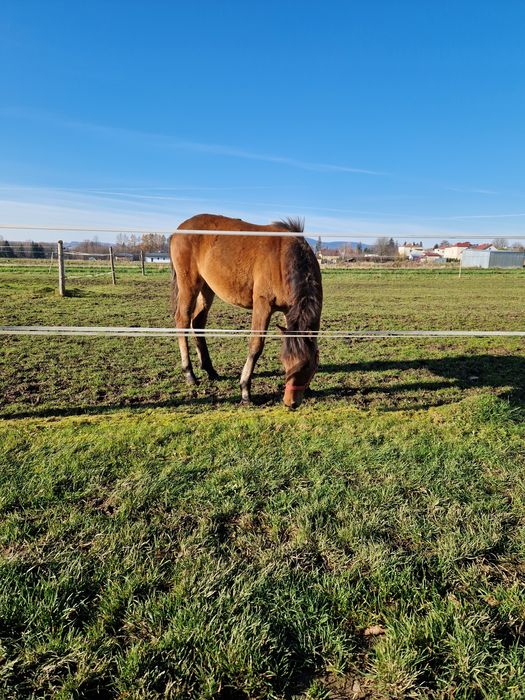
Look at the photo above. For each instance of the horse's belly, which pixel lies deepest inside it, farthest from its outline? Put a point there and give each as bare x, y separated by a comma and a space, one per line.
233, 287
235, 297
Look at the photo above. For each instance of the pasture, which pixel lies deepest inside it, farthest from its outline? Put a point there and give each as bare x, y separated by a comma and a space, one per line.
158, 540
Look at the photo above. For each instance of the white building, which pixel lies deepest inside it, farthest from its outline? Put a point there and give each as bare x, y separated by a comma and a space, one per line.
453, 252
456, 251
157, 258
405, 251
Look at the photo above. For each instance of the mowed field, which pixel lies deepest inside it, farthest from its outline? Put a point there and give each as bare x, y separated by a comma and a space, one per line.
163, 541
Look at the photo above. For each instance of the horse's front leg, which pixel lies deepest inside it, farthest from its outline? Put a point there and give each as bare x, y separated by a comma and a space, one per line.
260, 320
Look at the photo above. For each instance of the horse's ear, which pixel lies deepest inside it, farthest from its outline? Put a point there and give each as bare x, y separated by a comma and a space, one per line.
282, 329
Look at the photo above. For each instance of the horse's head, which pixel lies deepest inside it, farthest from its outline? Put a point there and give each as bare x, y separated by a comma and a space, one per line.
300, 358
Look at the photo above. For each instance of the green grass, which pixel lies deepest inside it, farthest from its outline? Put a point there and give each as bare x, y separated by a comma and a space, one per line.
52, 376
158, 541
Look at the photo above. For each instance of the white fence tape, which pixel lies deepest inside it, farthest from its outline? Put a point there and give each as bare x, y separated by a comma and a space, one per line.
310, 234
136, 332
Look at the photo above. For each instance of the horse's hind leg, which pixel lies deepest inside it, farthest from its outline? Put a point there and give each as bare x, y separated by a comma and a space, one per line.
186, 300
198, 321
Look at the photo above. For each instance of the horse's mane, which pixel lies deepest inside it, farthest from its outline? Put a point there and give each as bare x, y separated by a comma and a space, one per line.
304, 280
295, 224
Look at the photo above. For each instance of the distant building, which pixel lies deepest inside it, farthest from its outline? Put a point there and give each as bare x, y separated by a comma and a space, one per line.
454, 252
406, 250
157, 257
432, 257
484, 246
492, 258
328, 255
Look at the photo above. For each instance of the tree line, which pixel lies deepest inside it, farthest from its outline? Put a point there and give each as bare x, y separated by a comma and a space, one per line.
25, 249
130, 244
127, 243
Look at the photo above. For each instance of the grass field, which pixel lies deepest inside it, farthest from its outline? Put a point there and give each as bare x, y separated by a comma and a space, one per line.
161, 541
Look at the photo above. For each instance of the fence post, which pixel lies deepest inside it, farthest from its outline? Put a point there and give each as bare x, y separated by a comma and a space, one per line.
112, 262
61, 271
142, 267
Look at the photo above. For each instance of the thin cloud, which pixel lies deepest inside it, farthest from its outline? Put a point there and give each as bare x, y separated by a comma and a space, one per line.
166, 141
471, 190
480, 216
127, 200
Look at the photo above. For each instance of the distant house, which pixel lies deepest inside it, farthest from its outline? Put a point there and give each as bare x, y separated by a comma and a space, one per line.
454, 252
124, 256
432, 257
406, 250
484, 246
157, 257
328, 256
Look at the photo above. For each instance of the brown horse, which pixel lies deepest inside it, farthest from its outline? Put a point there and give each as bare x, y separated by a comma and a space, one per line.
263, 273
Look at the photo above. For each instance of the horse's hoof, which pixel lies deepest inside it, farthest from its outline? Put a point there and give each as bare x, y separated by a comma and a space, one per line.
246, 402
191, 380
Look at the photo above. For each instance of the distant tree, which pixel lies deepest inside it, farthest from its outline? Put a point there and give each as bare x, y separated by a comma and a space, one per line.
6, 251
91, 246
35, 250
122, 241
444, 244
150, 242
18, 249
318, 245
385, 246
381, 246
501, 243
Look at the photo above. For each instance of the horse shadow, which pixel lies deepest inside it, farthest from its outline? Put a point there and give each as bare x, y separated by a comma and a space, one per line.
502, 373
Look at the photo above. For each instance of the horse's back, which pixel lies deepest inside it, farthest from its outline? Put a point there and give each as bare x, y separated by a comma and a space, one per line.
235, 267
216, 222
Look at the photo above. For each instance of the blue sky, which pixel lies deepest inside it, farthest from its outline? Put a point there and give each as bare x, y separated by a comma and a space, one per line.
402, 118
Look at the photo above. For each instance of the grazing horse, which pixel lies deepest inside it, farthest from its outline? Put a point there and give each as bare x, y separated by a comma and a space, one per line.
262, 273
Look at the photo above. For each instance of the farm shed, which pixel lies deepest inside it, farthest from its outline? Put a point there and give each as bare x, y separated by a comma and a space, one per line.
157, 258
492, 258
